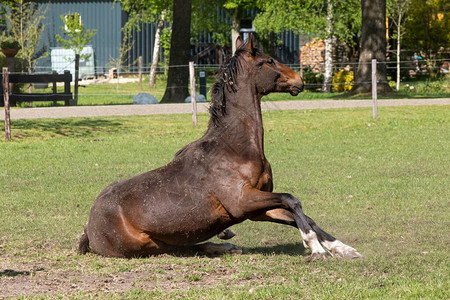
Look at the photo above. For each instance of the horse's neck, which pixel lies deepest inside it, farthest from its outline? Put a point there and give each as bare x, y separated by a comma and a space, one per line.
242, 126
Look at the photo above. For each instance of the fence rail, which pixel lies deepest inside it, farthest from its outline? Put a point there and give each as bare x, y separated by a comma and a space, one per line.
52, 78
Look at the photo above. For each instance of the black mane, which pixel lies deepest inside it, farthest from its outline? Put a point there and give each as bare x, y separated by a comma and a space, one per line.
225, 79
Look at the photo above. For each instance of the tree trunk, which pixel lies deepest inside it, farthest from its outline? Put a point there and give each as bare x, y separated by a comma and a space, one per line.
180, 48
152, 82
372, 45
328, 75
30, 86
398, 51
235, 28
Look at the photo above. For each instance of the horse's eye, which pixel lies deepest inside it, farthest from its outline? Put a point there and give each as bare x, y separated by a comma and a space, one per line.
271, 61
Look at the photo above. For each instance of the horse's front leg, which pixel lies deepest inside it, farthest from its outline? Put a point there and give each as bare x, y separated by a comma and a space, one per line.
255, 200
335, 247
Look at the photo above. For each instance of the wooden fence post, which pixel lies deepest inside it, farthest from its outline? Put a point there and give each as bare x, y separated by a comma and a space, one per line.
374, 89
66, 86
193, 100
6, 98
77, 72
55, 88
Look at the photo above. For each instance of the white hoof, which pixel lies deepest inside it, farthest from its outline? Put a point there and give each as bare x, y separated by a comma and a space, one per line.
340, 250
345, 253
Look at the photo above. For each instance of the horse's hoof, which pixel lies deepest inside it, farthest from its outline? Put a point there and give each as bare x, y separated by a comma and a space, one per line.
226, 234
346, 253
235, 250
227, 248
353, 254
212, 249
318, 256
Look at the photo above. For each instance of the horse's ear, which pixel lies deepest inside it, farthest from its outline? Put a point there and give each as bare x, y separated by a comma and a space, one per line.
251, 45
250, 41
239, 42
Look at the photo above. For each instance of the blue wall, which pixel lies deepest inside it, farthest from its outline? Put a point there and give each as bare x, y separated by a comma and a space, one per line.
107, 18
104, 16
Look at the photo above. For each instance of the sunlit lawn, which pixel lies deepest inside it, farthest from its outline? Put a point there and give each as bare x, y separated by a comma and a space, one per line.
382, 187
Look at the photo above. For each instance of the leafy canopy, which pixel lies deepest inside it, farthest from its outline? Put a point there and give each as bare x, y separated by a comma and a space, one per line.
77, 35
308, 17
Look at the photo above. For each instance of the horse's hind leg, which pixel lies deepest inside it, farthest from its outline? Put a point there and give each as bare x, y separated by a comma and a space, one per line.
334, 246
256, 200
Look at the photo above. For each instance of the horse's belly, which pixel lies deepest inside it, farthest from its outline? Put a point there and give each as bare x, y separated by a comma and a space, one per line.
184, 220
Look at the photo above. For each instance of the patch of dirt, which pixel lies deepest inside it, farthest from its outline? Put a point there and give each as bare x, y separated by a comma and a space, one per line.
54, 278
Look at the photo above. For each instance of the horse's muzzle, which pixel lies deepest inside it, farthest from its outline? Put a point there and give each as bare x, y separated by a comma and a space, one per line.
296, 89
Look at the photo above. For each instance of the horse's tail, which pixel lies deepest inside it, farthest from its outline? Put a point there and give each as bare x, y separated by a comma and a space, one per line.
83, 246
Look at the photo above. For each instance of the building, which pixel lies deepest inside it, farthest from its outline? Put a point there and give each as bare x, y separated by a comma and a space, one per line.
104, 16
107, 17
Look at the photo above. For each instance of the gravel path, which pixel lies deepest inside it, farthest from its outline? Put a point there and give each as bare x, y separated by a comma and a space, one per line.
186, 108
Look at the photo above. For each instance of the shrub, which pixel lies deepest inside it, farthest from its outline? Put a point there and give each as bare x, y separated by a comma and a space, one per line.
429, 86
343, 81
9, 43
313, 80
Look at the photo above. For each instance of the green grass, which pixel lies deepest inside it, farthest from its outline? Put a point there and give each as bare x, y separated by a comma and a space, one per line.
382, 187
113, 94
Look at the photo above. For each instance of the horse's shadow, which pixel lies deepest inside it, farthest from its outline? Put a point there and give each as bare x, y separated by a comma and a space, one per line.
68, 127
291, 249
13, 273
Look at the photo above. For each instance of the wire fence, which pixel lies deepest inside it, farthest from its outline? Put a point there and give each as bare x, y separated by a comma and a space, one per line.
312, 66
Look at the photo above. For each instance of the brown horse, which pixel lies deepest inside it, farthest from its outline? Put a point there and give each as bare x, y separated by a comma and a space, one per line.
213, 183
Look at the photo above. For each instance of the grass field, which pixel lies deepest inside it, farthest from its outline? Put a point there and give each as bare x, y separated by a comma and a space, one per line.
382, 187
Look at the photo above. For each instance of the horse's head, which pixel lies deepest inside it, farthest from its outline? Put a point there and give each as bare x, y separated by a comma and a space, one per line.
252, 68
269, 74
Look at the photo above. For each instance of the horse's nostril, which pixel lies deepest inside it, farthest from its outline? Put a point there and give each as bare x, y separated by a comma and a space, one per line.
296, 89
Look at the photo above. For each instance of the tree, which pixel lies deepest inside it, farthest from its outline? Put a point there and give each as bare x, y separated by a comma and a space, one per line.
124, 48
372, 46
151, 11
427, 27
178, 76
331, 20
155, 58
235, 10
148, 11
328, 74
208, 18
77, 39
25, 26
397, 10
